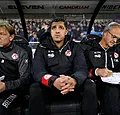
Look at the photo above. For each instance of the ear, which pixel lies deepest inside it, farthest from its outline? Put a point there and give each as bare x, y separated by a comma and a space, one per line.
66, 32
105, 33
12, 37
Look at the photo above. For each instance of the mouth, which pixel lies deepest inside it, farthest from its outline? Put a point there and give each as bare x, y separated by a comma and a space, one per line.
57, 36
112, 42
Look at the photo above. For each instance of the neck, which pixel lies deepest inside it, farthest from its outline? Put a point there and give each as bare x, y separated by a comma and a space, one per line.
7, 49
59, 44
102, 43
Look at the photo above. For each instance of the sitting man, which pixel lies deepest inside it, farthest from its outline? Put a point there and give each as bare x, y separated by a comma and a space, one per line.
14, 69
60, 72
103, 58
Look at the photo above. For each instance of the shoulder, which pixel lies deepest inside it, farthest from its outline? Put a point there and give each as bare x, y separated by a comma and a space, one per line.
117, 48
76, 46
90, 41
76, 41
20, 50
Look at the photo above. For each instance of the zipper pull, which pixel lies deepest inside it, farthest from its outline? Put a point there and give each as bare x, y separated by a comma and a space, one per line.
112, 61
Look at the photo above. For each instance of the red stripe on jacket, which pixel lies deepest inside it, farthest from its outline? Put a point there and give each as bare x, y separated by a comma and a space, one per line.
45, 79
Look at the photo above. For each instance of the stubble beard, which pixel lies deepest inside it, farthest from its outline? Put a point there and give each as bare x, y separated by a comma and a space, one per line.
58, 41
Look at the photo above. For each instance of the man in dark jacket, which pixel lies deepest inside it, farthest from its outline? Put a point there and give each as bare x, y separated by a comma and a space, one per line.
60, 70
103, 59
14, 69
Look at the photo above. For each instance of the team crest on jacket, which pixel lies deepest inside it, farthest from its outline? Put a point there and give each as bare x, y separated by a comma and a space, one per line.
15, 56
68, 53
47, 76
116, 55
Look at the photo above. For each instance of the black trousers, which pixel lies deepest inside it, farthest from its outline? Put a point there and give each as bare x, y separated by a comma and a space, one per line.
41, 95
109, 96
3, 110
14, 104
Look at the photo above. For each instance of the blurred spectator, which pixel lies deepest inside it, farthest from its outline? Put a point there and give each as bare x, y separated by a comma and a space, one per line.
34, 39
41, 25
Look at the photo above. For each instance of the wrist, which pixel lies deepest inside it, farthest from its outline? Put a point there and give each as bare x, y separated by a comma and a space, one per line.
96, 71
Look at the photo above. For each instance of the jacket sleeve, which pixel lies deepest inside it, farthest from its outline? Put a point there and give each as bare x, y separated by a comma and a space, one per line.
90, 66
79, 66
40, 73
24, 71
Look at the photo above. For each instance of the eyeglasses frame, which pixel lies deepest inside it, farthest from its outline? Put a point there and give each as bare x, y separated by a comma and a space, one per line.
113, 36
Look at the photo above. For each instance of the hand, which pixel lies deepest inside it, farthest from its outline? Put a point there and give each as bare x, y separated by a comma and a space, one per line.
69, 84
103, 72
59, 83
2, 86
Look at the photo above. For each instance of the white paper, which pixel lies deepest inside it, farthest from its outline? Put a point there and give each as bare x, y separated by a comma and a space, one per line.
113, 79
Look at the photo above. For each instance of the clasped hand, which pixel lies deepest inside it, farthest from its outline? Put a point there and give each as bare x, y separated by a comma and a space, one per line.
65, 84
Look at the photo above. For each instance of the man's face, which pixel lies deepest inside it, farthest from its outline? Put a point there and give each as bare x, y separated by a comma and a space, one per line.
5, 38
112, 36
58, 31
35, 35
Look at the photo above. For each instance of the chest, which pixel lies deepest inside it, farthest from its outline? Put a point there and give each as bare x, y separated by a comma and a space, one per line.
58, 57
9, 61
104, 58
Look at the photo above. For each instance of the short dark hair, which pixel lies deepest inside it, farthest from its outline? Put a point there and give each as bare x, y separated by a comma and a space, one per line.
59, 20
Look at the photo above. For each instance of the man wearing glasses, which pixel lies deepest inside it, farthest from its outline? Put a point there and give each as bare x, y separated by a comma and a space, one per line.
103, 59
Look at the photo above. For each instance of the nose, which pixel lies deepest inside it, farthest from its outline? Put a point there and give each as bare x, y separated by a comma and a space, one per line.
57, 30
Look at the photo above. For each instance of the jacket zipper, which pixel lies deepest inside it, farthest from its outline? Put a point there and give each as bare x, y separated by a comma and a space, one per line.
112, 61
105, 55
63, 47
105, 58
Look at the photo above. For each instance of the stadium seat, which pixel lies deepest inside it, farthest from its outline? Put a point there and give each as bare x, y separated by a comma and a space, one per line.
90, 37
89, 40
22, 42
61, 108
68, 107
23, 107
16, 111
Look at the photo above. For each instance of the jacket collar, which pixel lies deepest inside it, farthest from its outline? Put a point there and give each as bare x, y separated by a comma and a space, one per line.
7, 49
46, 41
